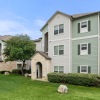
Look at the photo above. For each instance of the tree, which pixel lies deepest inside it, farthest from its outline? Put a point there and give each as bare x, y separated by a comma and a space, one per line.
19, 47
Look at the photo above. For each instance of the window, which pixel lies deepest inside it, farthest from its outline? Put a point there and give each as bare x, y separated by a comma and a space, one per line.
84, 69
58, 29
59, 50
61, 28
84, 26
59, 69
84, 49
55, 50
55, 30
19, 66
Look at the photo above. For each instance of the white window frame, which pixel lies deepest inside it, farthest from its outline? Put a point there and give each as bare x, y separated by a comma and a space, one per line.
58, 71
84, 52
81, 68
58, 50
58, 29
18, 66
85, 29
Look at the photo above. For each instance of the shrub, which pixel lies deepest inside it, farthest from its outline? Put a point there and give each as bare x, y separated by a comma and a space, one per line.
2, 72
57, 77
75, 79
29, 71
81, 79
16, 71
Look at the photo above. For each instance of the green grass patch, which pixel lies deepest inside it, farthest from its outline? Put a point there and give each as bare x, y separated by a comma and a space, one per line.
15, 87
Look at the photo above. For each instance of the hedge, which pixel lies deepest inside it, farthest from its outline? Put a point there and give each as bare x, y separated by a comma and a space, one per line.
2, 72
18, 71
75, 79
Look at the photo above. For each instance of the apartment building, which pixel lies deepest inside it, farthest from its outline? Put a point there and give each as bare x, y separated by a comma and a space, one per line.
69, 44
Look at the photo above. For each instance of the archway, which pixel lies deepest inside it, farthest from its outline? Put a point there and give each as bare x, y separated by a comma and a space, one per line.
38, 70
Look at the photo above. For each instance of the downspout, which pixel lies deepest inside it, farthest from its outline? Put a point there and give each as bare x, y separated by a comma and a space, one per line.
98, 45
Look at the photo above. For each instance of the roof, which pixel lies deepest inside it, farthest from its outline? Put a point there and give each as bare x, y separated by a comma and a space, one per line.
38, 40
54, 16
84, 14
70, 16
43, 54
5, 37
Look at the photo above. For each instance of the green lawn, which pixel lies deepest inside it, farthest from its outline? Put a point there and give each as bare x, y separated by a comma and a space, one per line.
14, 87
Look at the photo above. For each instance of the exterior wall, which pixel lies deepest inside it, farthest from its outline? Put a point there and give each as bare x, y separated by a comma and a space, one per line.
28, 64
60, 60
99, 57
94, 26
39, 45
2, 49
90, 59
45, 66
7, 66
60, 39
45, 30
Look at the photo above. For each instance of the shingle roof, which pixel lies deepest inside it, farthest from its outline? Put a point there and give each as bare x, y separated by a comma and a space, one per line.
84, 14
5, 37
54, 16
38, 40
70, 16
43, 54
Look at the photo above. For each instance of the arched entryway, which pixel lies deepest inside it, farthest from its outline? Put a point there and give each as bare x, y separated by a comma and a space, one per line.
38, 70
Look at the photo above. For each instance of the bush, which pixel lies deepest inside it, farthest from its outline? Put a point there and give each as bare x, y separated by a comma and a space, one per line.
16, 71
29, 71
75, 79
2, 72
82, 79
57, 77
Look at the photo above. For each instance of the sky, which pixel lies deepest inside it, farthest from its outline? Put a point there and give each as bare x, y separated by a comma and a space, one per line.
28, 16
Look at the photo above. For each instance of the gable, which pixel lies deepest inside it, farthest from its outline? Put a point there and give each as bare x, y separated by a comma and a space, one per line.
40, 55
53, 16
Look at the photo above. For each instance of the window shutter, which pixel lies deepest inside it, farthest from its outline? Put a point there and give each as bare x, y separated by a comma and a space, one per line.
78, 69
79, 49
78, 27
89, 25
89, 48
89, 69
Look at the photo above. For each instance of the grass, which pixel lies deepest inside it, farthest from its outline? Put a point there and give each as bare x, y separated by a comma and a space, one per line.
15, 87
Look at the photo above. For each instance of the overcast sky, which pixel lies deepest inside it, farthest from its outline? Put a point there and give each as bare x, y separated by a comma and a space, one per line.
28, 16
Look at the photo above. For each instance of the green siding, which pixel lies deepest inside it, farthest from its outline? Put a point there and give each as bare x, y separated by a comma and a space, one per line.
94, 26
90, 59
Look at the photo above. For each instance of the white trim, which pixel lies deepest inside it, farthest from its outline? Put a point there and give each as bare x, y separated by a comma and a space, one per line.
98, 45
58, 50
86, 27
81, 50
85, 37
83, 65
59, 39
70, 47
58, 30
58, 69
